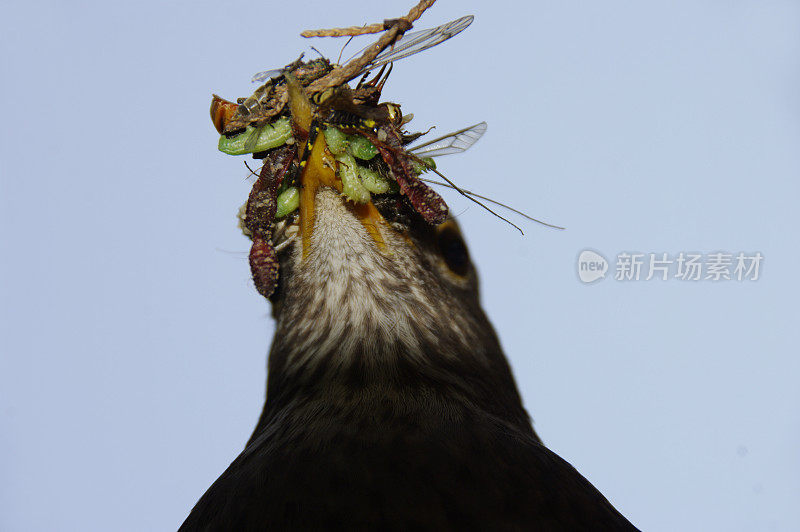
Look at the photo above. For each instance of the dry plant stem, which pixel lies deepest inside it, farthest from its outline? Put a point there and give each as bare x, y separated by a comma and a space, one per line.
342, 75
352, 31
418, 10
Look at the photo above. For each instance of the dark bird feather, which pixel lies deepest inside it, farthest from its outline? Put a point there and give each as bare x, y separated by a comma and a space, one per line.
390, 404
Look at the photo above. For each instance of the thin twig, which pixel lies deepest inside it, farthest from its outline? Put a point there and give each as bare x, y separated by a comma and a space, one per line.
398, 27
354, 31
341, 75
418, 10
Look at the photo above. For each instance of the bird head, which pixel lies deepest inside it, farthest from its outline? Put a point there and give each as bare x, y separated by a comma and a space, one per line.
368, 283
372, 298
373, 291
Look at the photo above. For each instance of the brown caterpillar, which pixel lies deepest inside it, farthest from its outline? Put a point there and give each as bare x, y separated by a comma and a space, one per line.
259, 218
425, 200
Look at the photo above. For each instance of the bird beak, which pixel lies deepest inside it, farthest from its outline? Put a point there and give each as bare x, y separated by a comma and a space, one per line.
320, 170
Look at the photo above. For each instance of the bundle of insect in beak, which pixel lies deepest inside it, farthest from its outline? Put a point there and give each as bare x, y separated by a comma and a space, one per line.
305, 119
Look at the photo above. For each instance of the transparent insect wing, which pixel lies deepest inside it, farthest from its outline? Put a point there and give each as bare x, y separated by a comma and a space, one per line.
252, 140
417, 41
455, 142
262, 77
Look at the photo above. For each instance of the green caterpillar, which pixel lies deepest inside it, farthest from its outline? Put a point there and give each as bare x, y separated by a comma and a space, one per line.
288, 201
361, 148
256, 139
352, 187
336, 140
374, 181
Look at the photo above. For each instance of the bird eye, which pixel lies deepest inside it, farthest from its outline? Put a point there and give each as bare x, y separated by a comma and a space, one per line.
453, 250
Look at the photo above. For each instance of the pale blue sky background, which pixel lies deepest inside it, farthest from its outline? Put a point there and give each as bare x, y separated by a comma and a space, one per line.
133, 344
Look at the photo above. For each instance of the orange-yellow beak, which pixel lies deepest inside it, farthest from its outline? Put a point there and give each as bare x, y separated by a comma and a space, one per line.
320, 170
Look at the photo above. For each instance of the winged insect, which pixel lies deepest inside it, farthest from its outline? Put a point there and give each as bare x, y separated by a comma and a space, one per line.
364, 139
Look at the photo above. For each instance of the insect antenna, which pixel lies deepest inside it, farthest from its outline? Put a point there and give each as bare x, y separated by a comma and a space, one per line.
469, 197
495, 202
251, 171
338, 59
